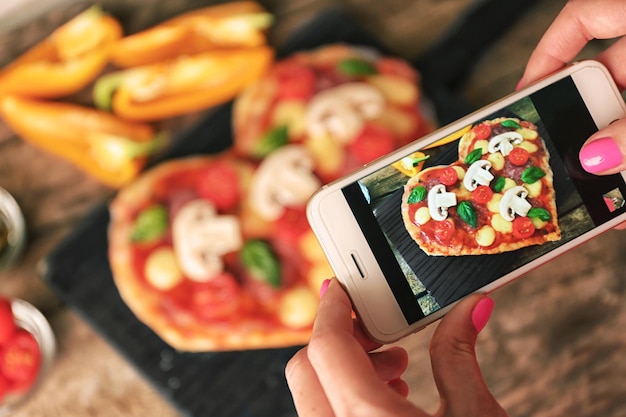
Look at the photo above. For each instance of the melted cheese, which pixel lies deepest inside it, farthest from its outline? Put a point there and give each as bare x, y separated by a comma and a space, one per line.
485, 236
422, 216
494, 204
298, 307
161, 269
528, 134
534, 189
497, 161
529, 146
501, 225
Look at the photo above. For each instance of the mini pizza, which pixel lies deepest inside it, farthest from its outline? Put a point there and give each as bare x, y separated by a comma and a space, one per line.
195, 262
498, 197
346, 105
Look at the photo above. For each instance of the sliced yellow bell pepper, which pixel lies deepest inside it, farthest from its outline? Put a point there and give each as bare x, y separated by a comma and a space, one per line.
181, 86
66, 61
230, 25
111, 150
411, 164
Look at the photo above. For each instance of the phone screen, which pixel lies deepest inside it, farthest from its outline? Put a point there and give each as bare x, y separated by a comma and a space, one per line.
423, 283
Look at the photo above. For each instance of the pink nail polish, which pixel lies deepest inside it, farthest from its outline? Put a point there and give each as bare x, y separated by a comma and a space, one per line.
519, 85
481, 313
600, 155
324, 287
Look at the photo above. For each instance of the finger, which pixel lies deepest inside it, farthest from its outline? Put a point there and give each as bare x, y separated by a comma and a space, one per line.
390, 364
345, 372
455, 368
572, 29
604, 152
613, 58
621, 226
306, 391
400, 387
362, 337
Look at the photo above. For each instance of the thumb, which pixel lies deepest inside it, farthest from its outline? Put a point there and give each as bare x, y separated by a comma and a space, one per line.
457, 375
603, 153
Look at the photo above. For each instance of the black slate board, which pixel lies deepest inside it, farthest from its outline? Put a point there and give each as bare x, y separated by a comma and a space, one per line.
225, 384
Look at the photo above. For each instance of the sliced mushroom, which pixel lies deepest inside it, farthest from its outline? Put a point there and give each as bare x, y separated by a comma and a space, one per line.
439, 200
285, 178
341, 110
504, 142
514, 202
201, 237
478, 174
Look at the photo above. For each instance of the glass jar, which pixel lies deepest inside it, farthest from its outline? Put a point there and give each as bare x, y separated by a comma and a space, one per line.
29, 318
12, 230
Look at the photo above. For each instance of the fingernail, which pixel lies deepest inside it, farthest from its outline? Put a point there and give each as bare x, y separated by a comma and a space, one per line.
600, 155
324, 287
519, 85
481, 313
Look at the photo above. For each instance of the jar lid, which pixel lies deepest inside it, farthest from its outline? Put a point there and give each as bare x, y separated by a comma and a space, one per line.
12, 230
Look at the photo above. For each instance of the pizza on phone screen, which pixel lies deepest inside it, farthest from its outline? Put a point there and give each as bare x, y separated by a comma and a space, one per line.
346, 105
498, 197
194, 261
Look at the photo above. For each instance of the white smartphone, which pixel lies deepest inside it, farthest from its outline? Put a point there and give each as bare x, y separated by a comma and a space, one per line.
473, 205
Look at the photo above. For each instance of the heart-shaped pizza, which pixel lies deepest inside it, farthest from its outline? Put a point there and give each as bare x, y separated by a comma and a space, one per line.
498, 197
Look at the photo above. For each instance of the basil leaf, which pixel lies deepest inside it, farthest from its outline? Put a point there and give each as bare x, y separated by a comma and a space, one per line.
510, 123
532, 174
539, 213
467, 212
474, 156
261, 262
151, 224
271, 140
417, 194
356, 67
498, 184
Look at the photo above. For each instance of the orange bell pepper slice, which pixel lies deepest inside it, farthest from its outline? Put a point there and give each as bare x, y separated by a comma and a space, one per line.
66, 61
111, 150
229, 25
185, 85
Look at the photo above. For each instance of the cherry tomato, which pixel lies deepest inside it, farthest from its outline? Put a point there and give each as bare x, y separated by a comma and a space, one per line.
373, 142
523, 227
448, 176
444, 230
7, 322
20, 359
217, 298
291, 225
482, 194
482, 131
5, 387
220, 185
519, 156
296, 82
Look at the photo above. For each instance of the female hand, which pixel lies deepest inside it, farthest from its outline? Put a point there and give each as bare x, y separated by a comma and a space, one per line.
338, 374
579, 22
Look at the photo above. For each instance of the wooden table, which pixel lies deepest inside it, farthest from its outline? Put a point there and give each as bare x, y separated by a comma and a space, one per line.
556, 342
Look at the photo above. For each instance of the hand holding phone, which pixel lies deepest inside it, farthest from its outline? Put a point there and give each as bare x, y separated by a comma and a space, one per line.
473, 205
